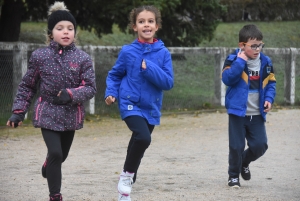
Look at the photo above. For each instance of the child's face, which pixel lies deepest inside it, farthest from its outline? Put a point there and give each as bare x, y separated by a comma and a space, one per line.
145, 26
63, 33
252, 48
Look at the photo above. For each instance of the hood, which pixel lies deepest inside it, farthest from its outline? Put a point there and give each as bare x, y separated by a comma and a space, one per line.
158, 45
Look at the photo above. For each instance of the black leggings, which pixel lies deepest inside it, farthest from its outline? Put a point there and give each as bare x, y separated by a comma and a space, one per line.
139, 142
58, 144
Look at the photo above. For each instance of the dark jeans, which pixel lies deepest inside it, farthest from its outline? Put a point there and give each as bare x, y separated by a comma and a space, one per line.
139, 142
58, 144
251, 128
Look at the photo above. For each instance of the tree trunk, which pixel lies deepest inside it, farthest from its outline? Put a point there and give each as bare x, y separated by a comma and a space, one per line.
10, 21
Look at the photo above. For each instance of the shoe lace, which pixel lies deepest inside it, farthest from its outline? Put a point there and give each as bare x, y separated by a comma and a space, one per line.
127, 181
246, 169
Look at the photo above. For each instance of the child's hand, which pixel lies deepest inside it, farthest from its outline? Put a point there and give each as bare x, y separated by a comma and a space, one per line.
15, 120
62, 98
144, 65
267, 106
242, 55
109, 100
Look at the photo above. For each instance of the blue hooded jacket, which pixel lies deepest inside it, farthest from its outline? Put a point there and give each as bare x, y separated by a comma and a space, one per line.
138, 91
235, 75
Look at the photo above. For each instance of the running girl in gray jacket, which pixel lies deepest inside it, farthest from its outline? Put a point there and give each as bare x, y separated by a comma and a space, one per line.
65, 79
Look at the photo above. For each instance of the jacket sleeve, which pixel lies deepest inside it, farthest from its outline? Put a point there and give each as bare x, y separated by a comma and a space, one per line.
270, 88
28, 86
162, 77
87, 88
270, 92
115, 76
232, 70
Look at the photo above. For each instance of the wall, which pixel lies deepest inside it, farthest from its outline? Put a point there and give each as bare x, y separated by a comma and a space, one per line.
197, 75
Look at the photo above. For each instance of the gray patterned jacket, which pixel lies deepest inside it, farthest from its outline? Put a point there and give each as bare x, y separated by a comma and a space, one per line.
51, 69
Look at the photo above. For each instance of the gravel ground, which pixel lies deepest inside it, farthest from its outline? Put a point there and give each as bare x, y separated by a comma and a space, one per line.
187, 160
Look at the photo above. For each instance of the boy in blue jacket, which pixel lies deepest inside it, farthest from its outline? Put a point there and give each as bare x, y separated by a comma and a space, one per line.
251, 83
137, 80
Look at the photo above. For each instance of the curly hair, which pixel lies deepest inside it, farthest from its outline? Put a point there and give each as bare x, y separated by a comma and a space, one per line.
134, 13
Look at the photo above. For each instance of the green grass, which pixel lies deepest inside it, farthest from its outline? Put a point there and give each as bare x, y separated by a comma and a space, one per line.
276, 34
34, 32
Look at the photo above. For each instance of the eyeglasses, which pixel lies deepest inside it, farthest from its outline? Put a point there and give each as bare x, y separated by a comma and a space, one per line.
255, 46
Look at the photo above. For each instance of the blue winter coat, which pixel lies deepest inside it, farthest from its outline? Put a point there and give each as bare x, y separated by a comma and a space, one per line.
140, 92
49, 72
235, 75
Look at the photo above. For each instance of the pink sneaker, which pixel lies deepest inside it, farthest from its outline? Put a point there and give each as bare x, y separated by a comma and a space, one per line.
124, 198
56, 197
125, 183
44, 167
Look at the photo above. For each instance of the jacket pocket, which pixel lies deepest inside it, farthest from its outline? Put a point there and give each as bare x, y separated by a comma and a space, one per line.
236, 98
129, 100
79, 115
130, 96
37, 109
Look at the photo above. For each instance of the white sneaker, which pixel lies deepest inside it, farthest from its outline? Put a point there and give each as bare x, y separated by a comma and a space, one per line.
124, 198
125, 183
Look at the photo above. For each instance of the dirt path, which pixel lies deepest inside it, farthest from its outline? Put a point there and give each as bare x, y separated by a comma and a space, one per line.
186, 161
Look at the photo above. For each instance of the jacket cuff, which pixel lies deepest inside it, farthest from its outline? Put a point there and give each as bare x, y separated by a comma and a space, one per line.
70, 93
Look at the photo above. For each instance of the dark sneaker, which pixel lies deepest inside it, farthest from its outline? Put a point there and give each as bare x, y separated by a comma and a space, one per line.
245, 172
56, 197
234, 182
44, 167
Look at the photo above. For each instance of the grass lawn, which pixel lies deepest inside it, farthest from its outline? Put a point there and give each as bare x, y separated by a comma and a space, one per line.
276, 34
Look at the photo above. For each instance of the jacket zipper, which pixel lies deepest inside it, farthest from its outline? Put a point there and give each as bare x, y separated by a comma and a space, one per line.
61, 53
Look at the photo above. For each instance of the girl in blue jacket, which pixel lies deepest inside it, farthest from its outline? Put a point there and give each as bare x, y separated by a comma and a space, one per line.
137, 80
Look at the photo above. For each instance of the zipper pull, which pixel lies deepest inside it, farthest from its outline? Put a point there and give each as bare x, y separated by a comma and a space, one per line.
60, 51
